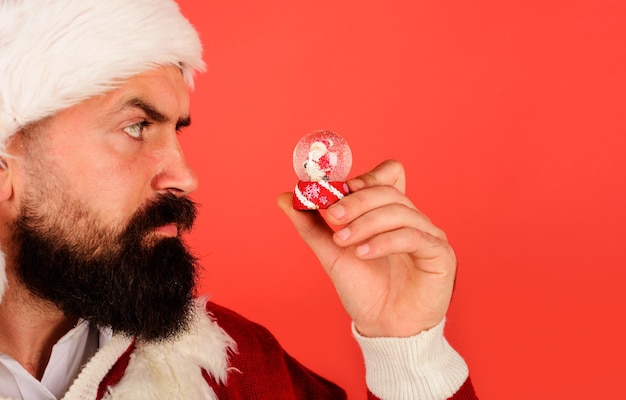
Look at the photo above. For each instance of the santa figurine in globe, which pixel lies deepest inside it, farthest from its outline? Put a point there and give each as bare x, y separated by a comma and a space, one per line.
322, 161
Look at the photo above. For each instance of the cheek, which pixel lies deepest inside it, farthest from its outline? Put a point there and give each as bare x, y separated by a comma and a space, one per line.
116, 191
112, 185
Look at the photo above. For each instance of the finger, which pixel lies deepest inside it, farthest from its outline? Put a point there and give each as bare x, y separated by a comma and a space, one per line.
361, 202
312, 228
388, 173
358, 203
384, 219
418, 244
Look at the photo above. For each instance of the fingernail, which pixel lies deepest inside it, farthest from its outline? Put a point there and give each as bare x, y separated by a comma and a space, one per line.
337, 211
343, 234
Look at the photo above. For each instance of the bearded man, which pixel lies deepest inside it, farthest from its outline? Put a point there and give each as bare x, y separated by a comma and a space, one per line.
96, 284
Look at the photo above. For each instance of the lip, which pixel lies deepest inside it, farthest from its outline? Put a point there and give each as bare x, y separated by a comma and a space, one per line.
169, 230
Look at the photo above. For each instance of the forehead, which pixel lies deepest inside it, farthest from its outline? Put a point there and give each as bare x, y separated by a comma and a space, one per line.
164, 88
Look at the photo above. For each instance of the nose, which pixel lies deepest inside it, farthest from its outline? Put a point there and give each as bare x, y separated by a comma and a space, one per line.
174, 174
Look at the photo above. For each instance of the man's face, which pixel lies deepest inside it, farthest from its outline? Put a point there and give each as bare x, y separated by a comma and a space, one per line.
100, 192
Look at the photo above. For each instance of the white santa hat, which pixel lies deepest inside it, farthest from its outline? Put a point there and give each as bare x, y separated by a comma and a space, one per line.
57, 53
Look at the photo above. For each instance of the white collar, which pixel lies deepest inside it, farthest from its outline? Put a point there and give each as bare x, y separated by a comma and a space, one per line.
68, 356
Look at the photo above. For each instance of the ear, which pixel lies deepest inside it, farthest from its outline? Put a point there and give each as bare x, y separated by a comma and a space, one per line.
8, 166
6, 185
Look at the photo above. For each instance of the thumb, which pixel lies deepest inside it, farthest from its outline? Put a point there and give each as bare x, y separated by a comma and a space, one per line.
312, 228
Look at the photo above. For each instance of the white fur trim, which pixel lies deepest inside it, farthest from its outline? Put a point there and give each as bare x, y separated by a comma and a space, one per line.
169, 370
85, 387
54, 54
172, 370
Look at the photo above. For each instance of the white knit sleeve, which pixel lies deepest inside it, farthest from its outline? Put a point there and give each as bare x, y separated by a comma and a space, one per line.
423, 366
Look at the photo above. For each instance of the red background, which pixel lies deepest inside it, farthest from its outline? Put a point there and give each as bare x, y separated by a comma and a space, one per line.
509, 118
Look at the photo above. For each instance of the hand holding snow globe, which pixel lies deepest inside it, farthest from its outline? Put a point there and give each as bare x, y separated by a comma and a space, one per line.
322, 160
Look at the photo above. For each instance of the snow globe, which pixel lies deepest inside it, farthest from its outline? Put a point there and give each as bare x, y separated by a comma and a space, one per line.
322, 161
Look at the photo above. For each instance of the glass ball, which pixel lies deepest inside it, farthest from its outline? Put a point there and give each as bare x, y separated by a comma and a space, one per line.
322, 155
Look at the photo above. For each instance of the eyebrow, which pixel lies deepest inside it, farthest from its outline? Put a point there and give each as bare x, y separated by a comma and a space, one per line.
153, 113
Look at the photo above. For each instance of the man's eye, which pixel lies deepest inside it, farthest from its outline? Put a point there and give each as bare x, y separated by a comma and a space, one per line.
136, 130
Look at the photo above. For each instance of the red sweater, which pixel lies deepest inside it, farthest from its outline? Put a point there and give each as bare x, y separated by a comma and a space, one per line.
261, 369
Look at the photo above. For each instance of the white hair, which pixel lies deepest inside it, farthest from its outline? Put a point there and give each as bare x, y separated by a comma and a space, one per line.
56, 53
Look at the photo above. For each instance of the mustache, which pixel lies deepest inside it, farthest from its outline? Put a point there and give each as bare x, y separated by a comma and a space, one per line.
165, 209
